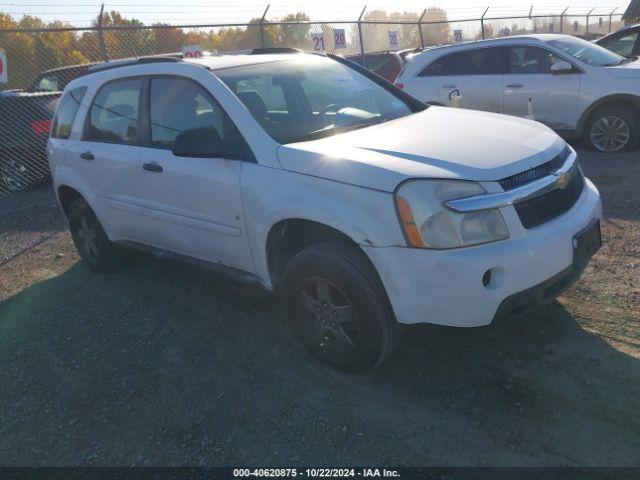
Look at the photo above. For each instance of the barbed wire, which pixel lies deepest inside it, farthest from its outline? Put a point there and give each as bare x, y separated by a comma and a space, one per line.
157, 12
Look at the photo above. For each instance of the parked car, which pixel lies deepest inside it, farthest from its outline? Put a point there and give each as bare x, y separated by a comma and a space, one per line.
385, 64
575, 87
25, 121
311, 176
623, 42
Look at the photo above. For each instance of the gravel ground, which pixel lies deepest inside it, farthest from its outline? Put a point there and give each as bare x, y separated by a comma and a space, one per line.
164, 364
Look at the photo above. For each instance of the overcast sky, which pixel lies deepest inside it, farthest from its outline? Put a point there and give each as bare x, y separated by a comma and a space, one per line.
80, 12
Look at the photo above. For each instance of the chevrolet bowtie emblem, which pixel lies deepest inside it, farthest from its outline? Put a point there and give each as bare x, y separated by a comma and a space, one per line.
563, 179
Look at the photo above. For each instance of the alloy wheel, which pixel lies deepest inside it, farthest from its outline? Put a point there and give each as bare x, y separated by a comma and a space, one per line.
87, 238
333, 320
610, 133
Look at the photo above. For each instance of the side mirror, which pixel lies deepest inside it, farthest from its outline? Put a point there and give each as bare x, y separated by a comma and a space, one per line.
201, 142
561, 67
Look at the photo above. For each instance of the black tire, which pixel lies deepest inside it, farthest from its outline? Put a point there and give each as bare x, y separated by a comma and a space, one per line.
627, 115
355, 288
103, 256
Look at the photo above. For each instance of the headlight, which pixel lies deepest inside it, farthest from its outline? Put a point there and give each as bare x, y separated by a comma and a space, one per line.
428, 224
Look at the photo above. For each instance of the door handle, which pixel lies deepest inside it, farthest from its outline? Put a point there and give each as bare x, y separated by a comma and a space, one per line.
448, 85
87, 155
152, 167
515, 85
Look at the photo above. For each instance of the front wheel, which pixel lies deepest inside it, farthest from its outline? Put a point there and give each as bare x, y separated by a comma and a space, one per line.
612, 129
337, 307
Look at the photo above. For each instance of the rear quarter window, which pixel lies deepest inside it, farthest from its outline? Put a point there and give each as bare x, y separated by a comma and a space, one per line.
440, 66
66, 112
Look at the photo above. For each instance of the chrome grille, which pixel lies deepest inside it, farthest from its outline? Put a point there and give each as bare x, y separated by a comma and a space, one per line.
538, 210
535, 173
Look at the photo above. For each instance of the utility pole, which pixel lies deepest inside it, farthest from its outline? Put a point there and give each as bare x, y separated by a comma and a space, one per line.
103, 45
562, 19
262, 40
424, 12
482, 21
611, 17
588, 15
363, 59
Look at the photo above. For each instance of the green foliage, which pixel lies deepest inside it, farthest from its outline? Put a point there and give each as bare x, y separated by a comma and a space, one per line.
28, 54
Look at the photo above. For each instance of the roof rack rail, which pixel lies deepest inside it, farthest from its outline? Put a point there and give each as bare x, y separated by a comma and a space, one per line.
267, 50
132, 61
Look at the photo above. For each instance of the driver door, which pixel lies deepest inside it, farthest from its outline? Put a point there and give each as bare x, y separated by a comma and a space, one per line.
196, 209
532, 91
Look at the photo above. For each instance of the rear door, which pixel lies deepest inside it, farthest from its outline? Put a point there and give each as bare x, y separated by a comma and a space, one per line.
108, 158
532, 91
472, 79
194, 204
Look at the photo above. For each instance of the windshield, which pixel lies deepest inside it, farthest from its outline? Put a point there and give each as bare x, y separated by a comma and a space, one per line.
47, 83
311, 97
588, 52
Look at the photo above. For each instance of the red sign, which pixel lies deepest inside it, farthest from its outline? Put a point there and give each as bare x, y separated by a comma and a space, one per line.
192, 51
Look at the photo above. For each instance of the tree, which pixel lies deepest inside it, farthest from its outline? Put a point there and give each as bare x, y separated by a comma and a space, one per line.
296, 35
127, 42
439, 32
376, 35
169, 39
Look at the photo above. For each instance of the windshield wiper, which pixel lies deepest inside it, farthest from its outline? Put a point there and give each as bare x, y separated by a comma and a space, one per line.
622, 61
327, 132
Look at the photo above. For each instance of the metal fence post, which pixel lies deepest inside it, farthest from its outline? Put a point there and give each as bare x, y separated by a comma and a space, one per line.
562, 19
262, 40
424, 12
103, 45
482, 21
363, 59
611, 17
588, 15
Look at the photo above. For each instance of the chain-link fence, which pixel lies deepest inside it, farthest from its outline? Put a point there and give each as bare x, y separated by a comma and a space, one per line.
36, 56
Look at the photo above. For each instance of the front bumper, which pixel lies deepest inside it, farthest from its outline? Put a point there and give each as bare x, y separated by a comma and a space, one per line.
445, 287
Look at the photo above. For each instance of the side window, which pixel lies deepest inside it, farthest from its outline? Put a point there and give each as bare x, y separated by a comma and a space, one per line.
623, 45
66, 112
258, 91
442, 66
530, 60
114, 113
178, 104
481, 61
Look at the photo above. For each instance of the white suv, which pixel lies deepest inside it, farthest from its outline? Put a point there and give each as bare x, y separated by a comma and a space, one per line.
304, 173
575, 87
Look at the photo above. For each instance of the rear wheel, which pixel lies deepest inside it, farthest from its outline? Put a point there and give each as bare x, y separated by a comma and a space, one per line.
612, 129
337, 307
90, 239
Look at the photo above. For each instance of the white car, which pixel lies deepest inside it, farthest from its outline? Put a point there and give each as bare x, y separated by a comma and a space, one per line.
303, 173
575, 87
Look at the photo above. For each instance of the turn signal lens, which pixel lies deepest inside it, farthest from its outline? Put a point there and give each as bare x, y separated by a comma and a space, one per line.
410, 228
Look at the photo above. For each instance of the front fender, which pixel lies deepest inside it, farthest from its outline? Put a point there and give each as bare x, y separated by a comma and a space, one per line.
617, 98
270, 195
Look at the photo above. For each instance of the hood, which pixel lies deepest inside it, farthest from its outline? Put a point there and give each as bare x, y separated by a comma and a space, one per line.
626, 70
439, 142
